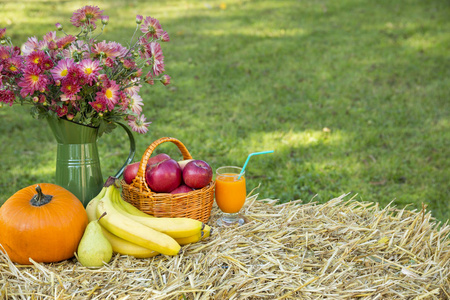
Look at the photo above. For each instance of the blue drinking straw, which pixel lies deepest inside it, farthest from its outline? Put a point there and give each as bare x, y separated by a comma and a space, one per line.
248, 158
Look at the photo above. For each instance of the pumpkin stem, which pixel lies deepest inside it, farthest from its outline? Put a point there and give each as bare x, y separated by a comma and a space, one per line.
40, 198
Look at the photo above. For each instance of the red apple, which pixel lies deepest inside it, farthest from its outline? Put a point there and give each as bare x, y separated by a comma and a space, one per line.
197, 174
157, 158
164, 177
182, 189
130, 172
183, 163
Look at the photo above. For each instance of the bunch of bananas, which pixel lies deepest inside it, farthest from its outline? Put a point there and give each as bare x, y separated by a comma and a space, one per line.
133, 232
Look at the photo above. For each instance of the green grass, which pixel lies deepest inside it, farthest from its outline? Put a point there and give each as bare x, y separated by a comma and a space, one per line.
263, 75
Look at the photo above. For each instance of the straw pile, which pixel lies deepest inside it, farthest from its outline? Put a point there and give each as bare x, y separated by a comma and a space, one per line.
343, 249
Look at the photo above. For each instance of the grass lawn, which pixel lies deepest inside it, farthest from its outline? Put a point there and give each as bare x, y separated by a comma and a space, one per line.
353, 96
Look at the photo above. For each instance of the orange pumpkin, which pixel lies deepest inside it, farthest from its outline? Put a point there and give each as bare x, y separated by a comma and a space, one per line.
44, 222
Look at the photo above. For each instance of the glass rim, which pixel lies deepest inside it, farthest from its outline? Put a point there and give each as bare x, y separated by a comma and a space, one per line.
230, 175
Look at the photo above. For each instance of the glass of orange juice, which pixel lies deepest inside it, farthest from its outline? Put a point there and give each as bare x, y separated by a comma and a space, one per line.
230, 195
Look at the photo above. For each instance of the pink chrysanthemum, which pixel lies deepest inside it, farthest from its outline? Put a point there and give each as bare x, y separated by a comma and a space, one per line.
32, 80
86, 14
76, 75
165, 37
50, 36
157, 58
124, 101
110, 92
73, 98
13, 64
92, 12
151, 27
62, 68
91, 69
129, 64
47, 63
1, 76
99, 104
30, 45
65, 41
165, 79
78, 46
133, 87
52, 45
2, 33
70, 88
7, 97
109, 62
143, 41
149, 78
138, 73
105, 20
103, 78
50, 41
78, 18
61, 111
139, 124
110, 49
42, 98
4, 52
36, 58
136, 104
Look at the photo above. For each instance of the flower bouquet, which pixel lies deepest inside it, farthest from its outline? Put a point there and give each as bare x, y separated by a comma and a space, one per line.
84, 88
78, 78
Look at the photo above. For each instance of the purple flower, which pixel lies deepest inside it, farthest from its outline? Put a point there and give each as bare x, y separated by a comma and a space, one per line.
33, 80
139, 124
105, 20
81, 78
62, 68
2, 33
7, 97
165, 79
151, 27
86, 14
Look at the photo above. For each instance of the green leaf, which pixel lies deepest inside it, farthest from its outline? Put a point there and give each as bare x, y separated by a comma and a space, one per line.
105, 127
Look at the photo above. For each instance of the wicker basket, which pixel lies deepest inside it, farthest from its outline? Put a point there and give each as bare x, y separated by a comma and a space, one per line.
195, 205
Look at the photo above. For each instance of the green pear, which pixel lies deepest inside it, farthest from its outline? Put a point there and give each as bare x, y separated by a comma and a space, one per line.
94, 250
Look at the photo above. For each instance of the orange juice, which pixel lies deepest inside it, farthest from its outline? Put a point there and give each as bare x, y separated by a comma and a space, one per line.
230, 192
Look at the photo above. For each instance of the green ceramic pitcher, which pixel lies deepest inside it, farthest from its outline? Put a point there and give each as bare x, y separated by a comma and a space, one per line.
77, 160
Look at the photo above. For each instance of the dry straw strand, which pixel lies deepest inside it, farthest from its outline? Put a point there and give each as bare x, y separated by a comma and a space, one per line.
342, 249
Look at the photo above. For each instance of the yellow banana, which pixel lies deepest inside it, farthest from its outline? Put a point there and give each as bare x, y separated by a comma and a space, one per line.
118, 244
190, 239
206, 231
174, 227
122, 246
131, 230
131, 209
91, 207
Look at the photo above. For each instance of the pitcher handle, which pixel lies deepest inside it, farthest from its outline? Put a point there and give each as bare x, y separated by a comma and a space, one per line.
132, 149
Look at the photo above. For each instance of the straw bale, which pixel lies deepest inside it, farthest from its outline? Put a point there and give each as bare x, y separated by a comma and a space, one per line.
343, 249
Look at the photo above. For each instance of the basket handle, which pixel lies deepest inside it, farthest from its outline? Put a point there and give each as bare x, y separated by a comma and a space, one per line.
139, 181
